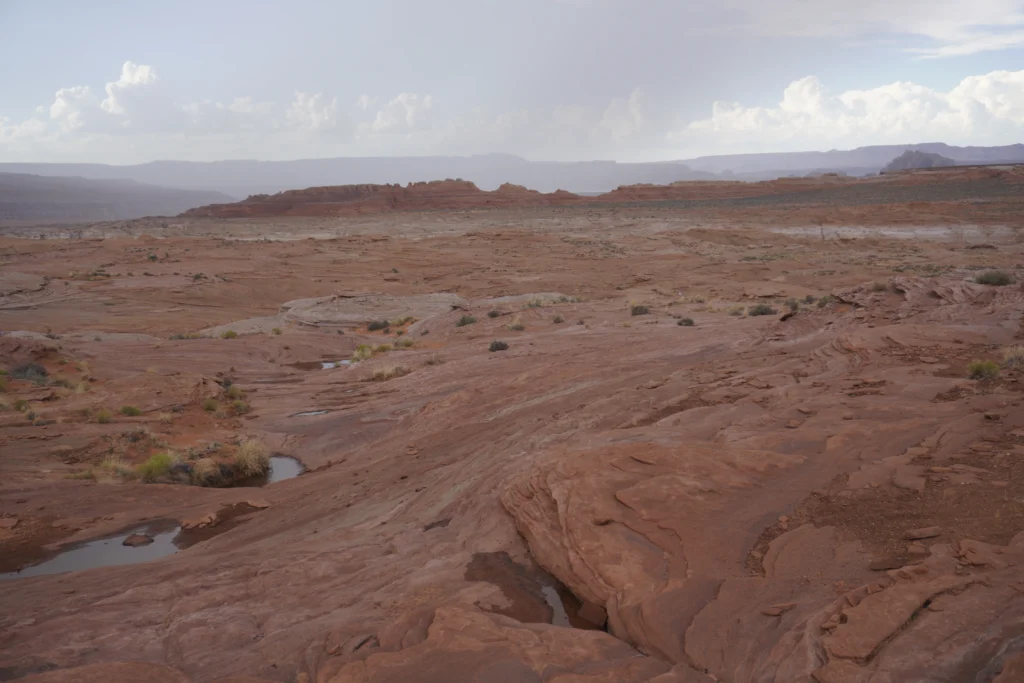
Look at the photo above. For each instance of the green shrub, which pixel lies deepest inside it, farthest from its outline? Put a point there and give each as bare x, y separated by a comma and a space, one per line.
157, 466
362, 352
761, 309
404, 343
33, 372
130, 411
234, 392
639, 310
825, 301
228, 334
498, 346
493, 314
809, 299
104, 416
996, 278
276, 330
375, 325
793, 304
558, 319
210, 405
152, 257
983, 369
383, 348
239, 407
685, 322
465, 320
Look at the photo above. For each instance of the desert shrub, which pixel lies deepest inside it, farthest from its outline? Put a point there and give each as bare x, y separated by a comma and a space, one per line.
33, 372
825, 301
465, 320
404, 343
130, 411
166, 418
736, 311
498, 346
810, 299
534, 303
639, 310
404, 320
210, 405
761, 309
276, 330
157, 466
389, 372
3, 384
983, 369
375, 325
434, 359
879, 286
996, 278
383, 348
116, 466
228, 334
239, 407
1013, 356
104, 416
362, 352
205, 472
558, 319
792, 304
252, 458
685, 322
493, 314
234, 392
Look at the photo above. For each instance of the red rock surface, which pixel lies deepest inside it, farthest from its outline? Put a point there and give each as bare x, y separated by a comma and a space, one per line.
830, 497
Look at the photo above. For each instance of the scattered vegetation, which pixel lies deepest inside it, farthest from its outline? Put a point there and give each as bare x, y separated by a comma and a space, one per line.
3, 384
736, 311
389, 372
465, 320
558, 319
234, 392
152, 257
879, 287
187, 335
130, 411
383, 348
104, 416
810, 299
210, 405
228, 334
825, 301
685, 322
493, 314
375, 325
166, 418
793, 305
1013, 356
33, 372
498, 346
405, 320
639, 310
996, 278
983, 369
205, 472
434, 359
116, 466
761, 309
362, 352
252, 458
276, 330
534, 303
239, 407
404, 343
157, 466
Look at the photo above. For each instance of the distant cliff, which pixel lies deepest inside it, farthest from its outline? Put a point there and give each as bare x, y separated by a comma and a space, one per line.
913, 158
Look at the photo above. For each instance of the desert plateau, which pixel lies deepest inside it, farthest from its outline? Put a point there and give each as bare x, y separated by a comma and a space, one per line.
742, 432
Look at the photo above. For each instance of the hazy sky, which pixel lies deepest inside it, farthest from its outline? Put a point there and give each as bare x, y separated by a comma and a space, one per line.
633, 80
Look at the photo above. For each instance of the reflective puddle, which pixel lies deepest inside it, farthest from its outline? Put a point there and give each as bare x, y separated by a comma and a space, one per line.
311, 413
107, 552
320, 364
281, 467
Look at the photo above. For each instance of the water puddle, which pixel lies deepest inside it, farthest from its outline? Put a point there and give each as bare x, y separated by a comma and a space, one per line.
311, 413
281, 467
167, 538
534, 595
107, 552
319, 364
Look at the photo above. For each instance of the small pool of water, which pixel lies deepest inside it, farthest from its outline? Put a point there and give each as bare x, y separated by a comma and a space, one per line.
281, 467
327, 365
320, 364
311, 413
106, 552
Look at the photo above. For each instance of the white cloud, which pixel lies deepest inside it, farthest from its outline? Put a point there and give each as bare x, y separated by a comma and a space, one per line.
314, 112
951, 27
987, 107
406, 112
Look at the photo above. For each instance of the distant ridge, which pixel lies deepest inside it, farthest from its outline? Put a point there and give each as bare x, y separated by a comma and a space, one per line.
913, 158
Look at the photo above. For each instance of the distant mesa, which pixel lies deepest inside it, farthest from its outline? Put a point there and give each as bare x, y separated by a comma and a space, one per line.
913, 158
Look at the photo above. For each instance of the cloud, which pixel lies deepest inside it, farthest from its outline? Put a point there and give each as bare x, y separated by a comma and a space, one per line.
979, 108
950, 27
314, 113
405, 113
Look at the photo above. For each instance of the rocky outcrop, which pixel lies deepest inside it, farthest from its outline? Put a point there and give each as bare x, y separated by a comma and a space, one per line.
912, 158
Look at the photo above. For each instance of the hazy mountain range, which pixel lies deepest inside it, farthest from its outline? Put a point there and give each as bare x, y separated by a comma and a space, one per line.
171, 187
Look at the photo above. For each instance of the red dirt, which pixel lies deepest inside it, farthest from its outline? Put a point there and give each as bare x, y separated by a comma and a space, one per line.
737, 496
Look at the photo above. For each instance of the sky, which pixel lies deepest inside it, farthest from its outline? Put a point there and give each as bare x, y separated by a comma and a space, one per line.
632, 80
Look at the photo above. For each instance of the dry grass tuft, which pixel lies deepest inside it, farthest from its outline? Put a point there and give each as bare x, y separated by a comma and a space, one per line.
252, 458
